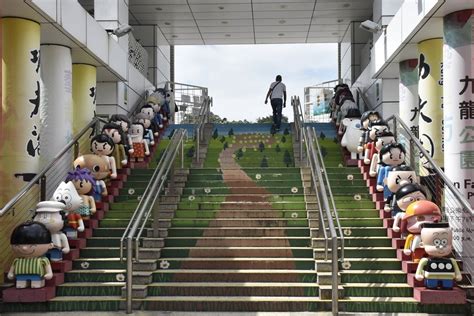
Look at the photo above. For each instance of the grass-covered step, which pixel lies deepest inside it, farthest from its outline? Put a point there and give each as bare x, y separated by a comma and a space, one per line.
372, 264
359, 242
365, 252
238, 241
234, 275
124, 214
243, 183
233, 289
236, 303
110, 222
206, 191
85, 263
93, 275
358, 222
366, 231
238, 263
236, 252
109, 232
241, 214
399, 305
103, 242
342, 179
254, 171
349, 189
378, 289
336, 172
210, 177
248, 197
341, 197
242, 205
354, 204
123, 206
236, 222
361, 213
241, 231
373, 276
101, 252
90, 289
204, 171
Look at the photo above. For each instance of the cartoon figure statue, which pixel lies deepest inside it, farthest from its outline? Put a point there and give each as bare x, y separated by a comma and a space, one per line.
155, 100
148, 111
85, 186
30, 241
351, 130
140, 145
376, 128
417, 214
437, 270
102, 145
66, 193
365, 119
149, 136
380, 141
51, 214
406, 195
99, 167
397, 178
116, 133
391, 155
123, 121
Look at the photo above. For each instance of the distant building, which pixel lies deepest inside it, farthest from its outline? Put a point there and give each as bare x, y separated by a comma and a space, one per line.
316, 101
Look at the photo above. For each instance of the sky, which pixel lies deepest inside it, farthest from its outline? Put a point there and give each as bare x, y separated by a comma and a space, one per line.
238, 76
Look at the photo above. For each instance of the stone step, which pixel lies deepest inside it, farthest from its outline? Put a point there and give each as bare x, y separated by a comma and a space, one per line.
238, 241
237, 252
239, 231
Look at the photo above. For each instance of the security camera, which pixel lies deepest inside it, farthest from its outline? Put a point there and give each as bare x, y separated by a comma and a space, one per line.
121, 30
370, 26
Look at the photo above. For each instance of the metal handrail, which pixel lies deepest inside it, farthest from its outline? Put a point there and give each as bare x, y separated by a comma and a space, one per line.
464, 202
203, 119
93, 124
8, 207
145, 207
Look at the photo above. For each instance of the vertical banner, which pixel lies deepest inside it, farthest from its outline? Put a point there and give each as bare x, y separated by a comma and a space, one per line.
19, 114
430, 102
84, 83
459, 121
408, 92
56, 100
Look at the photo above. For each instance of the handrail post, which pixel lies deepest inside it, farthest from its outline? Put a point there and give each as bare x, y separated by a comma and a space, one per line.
412, 153
335, 271
129, 282
395, 133
43, 188
198, 136
182, 153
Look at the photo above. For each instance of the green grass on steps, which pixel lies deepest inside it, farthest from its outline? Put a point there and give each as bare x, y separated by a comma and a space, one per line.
212, 214
197, 232
86, 289
374, 277
306, 242
236, 205
378, 291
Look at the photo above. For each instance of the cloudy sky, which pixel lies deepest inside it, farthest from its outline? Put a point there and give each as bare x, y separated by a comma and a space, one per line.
238, 76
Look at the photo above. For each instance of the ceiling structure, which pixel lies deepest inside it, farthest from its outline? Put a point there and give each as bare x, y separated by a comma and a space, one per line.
212, 22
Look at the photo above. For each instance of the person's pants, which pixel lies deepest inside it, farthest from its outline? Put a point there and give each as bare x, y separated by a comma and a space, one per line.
277, 106
443, 283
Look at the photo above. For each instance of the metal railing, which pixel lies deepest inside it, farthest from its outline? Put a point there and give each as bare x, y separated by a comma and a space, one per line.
133, 233
441, 190
203, 119
307, 137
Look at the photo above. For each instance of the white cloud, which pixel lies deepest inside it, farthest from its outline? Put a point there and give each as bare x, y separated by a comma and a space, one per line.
238, 76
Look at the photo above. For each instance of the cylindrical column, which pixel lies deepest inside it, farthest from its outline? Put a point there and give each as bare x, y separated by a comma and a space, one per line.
56, 100
84, 83
19, 114
408, 94
430, 92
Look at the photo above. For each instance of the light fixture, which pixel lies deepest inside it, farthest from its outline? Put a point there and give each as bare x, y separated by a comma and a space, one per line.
335, 33
282, 21
158, 9
225, 22
221, 7
121, 30
340, 20
281, 34
346, 5
283, 6
227, 35
167, 23
174, 36
370, 26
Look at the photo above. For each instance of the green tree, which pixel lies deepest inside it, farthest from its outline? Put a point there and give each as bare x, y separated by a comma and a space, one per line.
215, 134
286, 131
231, 132
264, 162
261, 146
226, 145
277, 148
222, 139
287, 158
283, 139
240, 153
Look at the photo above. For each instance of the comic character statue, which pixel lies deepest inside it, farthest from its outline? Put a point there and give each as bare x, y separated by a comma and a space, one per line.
99, 167
66, 193
51, 214
30, 241
397, 178
148, 111
140, 145
85, 185
380, 141
116, 133
365, 119
124, 122
155, 100
149, 136
375, 129
350, 127
344, 101
406, 195
391, 155
438, 271
417, 214
102, 145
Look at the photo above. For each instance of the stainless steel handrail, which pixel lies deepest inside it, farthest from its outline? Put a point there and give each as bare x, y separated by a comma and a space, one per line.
145, 208
8, 207
203, 119
465, 203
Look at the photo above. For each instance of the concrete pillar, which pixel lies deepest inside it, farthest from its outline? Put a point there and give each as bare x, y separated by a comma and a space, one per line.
19, 113
408, 94
56, 100
430, 92
111, 14
84, 83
